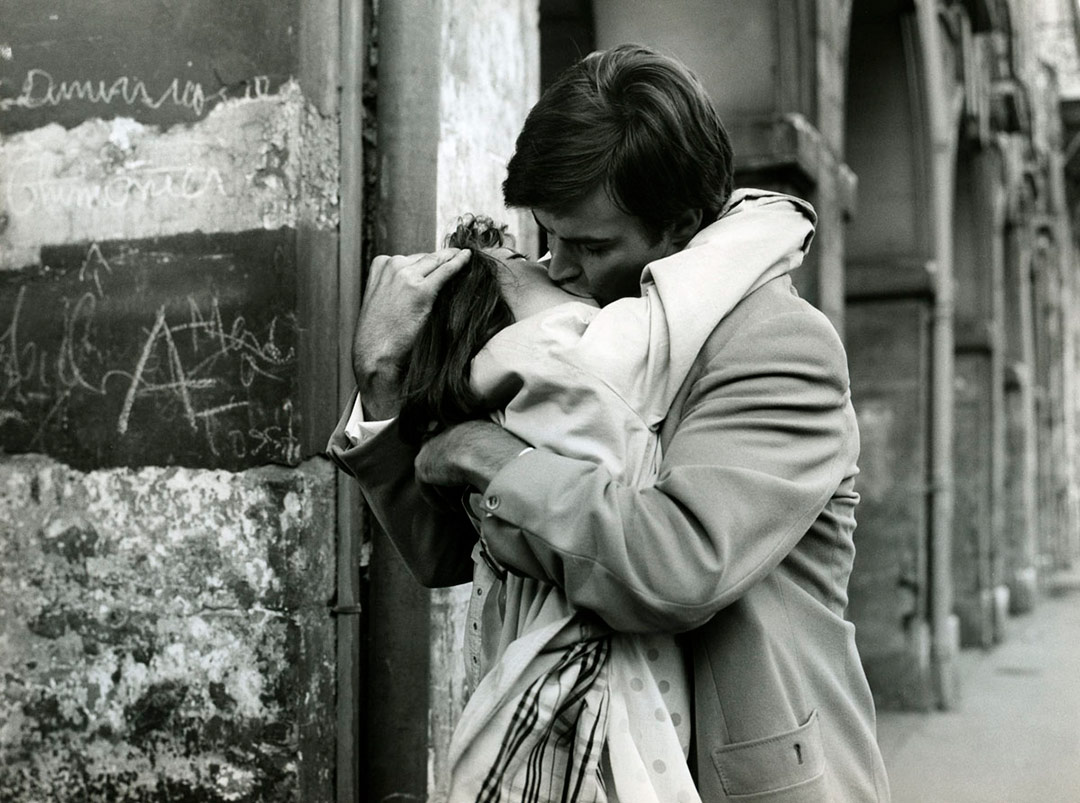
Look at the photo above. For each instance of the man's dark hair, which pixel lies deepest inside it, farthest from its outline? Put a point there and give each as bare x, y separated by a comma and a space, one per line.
631, 120
469, 310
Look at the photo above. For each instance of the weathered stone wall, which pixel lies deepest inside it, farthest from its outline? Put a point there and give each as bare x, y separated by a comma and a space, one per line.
163, 633
486, 92
166, 220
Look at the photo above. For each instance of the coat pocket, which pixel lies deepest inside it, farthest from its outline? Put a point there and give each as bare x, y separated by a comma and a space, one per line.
786, 767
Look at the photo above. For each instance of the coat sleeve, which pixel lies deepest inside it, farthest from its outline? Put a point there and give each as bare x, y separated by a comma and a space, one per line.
434, 536
766, 437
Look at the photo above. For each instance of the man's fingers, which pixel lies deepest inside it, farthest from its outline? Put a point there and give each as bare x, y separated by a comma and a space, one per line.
442, 273
448, 258
427, 271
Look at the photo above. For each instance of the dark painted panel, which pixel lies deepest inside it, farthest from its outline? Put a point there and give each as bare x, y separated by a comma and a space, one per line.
165, 351
157, 61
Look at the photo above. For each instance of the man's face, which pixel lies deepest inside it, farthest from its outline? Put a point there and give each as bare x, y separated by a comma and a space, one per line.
598, 250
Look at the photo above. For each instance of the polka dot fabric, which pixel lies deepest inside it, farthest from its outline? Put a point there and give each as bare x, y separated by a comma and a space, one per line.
649, 733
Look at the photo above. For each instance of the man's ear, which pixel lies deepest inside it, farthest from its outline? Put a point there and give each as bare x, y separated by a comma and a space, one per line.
685, 226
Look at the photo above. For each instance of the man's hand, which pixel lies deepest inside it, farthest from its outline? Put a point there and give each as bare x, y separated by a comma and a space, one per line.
467, 454
398, 298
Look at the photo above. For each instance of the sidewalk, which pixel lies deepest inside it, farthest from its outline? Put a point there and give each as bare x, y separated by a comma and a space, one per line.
1015, 735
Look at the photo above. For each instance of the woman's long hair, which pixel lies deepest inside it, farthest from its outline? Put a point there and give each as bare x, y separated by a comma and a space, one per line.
469, 310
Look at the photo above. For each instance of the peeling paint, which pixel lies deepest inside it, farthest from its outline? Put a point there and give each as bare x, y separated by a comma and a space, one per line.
150, 639
320, 169
261, 162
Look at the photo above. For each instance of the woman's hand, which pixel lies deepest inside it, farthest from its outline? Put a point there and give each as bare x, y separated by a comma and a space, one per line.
467, 454
397, 300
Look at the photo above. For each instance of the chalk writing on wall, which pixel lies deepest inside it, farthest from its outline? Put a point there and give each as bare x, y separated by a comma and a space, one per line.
239, 169
31, 186
41, 89
160, 62
176, 351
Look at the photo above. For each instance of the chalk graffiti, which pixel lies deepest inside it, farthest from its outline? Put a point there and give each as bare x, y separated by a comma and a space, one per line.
193, 364
91, 267
40, 89
14, 355
251, 357
272, 442
32, 185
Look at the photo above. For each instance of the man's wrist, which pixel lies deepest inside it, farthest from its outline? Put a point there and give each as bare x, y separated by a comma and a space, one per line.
379, 408
488, 455
380, 390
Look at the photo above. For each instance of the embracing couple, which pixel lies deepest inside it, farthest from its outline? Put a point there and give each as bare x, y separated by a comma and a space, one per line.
640, 450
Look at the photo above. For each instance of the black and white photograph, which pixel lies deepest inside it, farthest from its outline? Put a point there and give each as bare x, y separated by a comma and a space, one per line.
540, 401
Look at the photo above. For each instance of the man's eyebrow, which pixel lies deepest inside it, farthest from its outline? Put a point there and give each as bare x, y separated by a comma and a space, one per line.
583, 240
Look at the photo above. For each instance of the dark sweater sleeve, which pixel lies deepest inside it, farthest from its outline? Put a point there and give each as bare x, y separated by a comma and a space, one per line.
434, 537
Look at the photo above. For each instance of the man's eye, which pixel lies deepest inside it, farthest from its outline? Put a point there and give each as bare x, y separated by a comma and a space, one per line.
596, 250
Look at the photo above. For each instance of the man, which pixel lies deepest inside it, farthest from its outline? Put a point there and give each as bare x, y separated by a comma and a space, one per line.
744, 543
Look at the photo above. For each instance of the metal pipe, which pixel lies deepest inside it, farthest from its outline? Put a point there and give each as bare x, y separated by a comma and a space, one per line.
353, 52
941, 133
351, 188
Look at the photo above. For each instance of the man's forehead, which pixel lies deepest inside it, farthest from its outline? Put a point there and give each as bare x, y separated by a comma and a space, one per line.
596, 218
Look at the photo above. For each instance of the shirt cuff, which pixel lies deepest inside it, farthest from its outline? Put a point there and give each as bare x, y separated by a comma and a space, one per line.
357, 430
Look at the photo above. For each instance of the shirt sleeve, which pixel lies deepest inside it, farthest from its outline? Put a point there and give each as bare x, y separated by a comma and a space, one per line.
357, 430
767, 436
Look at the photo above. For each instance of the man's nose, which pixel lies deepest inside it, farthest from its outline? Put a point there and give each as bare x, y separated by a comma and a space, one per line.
562, 267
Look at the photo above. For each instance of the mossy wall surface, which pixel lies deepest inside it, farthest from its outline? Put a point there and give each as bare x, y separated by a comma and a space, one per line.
165, 633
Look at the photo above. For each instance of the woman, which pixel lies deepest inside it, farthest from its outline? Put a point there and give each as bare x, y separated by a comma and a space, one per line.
565, 708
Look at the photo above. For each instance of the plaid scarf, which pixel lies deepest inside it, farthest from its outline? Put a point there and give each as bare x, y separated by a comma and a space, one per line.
551, 751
